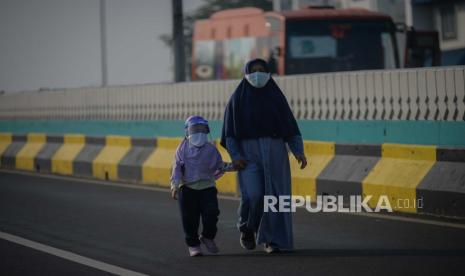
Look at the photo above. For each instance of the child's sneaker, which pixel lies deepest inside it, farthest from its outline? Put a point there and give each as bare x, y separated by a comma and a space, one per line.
210, 245
195, 251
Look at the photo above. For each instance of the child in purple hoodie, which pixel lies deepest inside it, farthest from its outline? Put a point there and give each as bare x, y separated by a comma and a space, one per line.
197, 165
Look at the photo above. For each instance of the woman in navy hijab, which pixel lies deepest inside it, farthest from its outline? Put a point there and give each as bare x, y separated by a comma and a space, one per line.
258, 123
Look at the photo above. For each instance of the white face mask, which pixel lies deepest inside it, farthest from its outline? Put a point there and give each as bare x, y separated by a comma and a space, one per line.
198, 139
258, 79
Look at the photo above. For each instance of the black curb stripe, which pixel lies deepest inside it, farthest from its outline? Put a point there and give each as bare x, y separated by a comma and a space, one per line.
54, 139
358, 150
95, 140
144, 142
450, 154
19, 138
9, 155
82, 164
43, 160
130, 166
344, 174
442, 190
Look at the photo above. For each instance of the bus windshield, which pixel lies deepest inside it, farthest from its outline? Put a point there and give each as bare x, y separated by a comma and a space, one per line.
328, 46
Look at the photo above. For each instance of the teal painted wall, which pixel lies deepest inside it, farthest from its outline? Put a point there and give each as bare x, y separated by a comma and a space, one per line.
360, 132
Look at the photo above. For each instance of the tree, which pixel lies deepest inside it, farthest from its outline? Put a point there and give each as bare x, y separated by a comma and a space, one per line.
205, 11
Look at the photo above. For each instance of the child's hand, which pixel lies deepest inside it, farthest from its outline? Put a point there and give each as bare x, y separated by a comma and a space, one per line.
174, 193
218, 174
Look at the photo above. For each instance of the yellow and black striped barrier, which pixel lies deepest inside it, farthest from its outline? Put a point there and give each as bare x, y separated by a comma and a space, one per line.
404, 173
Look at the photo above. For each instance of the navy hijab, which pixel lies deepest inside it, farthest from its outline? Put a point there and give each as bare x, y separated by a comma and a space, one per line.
258, 112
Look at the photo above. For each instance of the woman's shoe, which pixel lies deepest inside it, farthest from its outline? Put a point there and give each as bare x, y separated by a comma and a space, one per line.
210, 245
195, 251
247, 240
271, 248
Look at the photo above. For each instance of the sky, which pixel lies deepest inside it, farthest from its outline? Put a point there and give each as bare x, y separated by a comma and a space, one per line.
56, 43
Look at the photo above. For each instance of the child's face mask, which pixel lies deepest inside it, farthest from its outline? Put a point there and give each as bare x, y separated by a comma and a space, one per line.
198, 139
198, 135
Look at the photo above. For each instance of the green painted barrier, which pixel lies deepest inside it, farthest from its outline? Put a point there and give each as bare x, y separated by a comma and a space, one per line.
445, 133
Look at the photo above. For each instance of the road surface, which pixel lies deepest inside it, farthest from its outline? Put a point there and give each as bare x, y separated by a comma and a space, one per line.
137, 230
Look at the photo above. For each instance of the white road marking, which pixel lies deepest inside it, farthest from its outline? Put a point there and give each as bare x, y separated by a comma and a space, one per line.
161, 189
410, 219
69, 255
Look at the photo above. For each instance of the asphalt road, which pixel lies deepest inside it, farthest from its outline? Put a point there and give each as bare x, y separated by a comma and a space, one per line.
140, 230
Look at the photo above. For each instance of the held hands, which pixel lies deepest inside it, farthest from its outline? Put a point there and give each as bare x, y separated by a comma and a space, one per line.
302, 160
239, 164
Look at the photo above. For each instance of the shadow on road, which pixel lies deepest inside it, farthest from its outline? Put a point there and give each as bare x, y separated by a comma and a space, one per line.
350, 253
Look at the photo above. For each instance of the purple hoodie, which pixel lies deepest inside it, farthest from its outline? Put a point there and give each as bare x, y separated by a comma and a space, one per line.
193, 163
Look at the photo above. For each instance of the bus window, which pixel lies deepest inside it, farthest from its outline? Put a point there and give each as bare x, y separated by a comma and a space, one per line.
422, 49
324, 46
312, 46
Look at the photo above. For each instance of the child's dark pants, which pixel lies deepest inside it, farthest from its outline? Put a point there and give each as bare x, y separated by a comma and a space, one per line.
195, 204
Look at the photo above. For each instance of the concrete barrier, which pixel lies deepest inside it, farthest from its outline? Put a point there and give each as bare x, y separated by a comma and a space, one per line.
319, 155
130, 166
398, 173
62, 160
82, 164
105, 164
26, 155
157, 167
43, 159
345, 173
413, 94
5, 141
443, 187
8, 158
416, 179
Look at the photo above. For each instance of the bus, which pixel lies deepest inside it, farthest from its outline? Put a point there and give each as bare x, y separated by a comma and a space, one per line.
309, 40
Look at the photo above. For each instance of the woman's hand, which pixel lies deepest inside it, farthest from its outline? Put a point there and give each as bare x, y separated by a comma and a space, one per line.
174, 193
239, 164
302, 160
